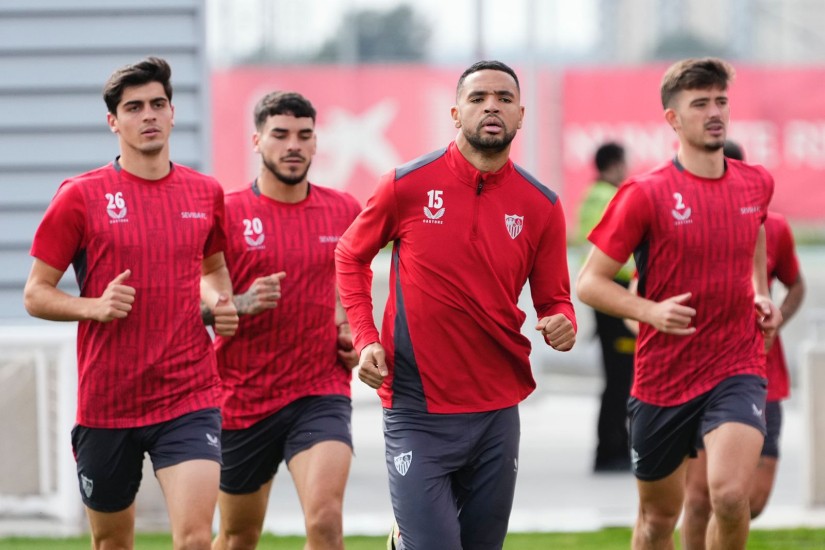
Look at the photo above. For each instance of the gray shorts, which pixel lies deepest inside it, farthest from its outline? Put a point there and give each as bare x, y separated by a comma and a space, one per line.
251, 456
662, 437
452, 476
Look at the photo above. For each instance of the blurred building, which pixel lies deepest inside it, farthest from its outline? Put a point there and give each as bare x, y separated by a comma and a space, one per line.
758, 31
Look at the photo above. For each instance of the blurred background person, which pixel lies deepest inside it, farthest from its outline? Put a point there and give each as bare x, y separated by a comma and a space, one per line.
616, 341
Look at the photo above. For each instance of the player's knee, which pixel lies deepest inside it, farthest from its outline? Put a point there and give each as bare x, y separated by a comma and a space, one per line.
193, 540
658, 523
697, 503
757, 505
729, 503
325, 522
245, 539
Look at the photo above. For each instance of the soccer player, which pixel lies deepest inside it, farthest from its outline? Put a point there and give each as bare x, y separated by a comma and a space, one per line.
146, 241
469, 228
286, 374
782, 264
695, 228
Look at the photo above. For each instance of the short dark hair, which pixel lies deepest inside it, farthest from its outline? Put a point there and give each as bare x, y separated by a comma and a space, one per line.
607, 155
695, 74
733, 150
282, 103
151, 69
485, 66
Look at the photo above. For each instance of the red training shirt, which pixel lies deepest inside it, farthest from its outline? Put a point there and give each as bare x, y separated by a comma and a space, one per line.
291, 351
697, 235
157, 363
783, 265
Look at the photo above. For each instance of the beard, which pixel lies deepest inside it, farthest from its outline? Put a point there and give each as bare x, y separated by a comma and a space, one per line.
490, 144
288, 179
714, 146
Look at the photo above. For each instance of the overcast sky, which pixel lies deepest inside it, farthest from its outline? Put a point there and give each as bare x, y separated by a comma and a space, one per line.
302, 25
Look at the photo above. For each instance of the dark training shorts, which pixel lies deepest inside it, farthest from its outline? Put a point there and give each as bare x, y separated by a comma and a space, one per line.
251, 456
773, 421
661, 437
773, 418
452, 476
110, 461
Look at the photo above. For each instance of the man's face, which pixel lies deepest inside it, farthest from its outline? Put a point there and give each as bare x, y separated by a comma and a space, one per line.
144, 119
287, 145
701, 118
488, 110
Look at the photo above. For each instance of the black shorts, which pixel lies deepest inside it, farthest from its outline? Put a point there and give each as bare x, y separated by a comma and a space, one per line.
251, 456
110, 461
773, 419
773, 422
661, 437
452, 476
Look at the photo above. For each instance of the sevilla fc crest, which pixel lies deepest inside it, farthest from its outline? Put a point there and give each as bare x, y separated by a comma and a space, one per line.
514, 224
87, 484
402, 462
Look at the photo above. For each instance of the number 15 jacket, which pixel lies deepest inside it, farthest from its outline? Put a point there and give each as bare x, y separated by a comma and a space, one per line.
464, 245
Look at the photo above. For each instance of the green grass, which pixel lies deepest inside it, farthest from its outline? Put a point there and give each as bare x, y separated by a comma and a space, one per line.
607, 539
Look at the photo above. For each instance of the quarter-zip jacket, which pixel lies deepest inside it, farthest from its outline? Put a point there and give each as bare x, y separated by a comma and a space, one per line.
464, 245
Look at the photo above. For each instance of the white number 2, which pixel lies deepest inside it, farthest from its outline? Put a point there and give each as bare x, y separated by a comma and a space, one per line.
679, 204
435, 198
115, 201
253, 227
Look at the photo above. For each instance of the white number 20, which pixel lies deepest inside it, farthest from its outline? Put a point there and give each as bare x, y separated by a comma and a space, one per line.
253, 227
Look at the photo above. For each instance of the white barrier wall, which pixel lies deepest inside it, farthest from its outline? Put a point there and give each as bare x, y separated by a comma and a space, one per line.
38, 380
812, 387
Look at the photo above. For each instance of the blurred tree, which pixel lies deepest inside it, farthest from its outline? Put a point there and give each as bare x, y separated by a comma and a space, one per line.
371, 36
681, 45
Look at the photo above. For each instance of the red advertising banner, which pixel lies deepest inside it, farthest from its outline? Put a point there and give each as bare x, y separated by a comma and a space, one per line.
373, 118
370, 119
777, 115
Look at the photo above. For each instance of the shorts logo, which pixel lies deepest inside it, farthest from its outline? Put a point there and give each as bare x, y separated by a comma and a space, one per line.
213, 440
634, 458
756, 410
402, 462
514, 224
87, 484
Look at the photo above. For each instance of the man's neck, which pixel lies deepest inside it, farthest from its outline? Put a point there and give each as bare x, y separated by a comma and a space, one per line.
148, 167
277, 190
701, 162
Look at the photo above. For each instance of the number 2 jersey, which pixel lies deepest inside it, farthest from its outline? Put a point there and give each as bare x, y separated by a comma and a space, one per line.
697, 235
157, 363
289, 352
465, 243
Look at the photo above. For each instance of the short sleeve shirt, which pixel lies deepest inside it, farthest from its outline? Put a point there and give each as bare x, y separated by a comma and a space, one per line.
697, 235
